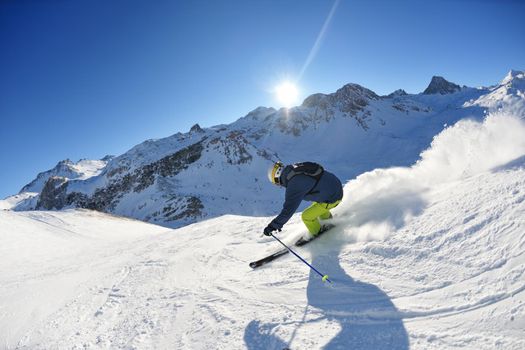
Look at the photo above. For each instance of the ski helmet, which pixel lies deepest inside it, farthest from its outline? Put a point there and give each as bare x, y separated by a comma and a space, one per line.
274, 173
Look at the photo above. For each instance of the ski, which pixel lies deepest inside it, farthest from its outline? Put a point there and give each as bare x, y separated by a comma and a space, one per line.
267, 259
324, 229
299, 243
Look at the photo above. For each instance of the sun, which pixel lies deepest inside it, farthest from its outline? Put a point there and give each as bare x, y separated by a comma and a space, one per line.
286, 93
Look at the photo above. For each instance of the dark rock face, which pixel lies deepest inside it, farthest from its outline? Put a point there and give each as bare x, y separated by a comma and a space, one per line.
233, 146
351, 99
439, 85
196, 128
64, 168
105, 199
150, 190
183, 208
316, 100
123, 181
398, 92
53, 195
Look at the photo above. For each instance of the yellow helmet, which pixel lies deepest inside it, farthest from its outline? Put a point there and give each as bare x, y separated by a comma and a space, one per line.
274, 173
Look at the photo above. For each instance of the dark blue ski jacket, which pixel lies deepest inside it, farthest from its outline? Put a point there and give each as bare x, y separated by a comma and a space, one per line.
303, 187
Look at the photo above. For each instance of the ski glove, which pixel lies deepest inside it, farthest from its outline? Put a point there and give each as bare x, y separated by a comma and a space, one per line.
269, 229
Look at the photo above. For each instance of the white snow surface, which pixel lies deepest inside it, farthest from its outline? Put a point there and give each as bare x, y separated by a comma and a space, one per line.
430, 256
22, 200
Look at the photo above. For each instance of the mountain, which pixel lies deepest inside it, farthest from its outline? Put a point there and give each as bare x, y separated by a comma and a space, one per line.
208, 172
438, 85
81, 170
29, 195
429, 256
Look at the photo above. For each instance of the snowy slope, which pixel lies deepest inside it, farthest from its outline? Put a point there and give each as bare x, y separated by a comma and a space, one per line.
21, 201
48, 259
28, 197
430, 256
207, 172
81, 170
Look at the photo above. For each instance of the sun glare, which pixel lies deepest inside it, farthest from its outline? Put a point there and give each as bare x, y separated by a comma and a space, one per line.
286, 94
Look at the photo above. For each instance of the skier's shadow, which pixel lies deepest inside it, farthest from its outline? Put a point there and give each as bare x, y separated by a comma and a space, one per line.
366, 316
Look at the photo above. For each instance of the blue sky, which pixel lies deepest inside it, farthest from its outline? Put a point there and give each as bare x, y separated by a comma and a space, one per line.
87, 78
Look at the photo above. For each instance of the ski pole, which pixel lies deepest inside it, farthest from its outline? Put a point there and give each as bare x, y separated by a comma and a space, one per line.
324, 277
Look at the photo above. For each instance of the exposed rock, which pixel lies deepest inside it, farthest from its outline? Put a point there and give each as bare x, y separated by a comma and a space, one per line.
398, 92
512, 75
106, 198
400, 107
260, 113
196, 129
144, 183
63, 168
351, 98
233, 146
185, 208
68, 169
354, 95
53, 195
316, 100
439, 85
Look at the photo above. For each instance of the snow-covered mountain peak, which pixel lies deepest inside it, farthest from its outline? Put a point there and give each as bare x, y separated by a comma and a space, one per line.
64, 163
512, 75
351, 99
397, 93
510, 93
107, 158
82, 170
514, 82
354, 90
196, 128
261, 112
439, 85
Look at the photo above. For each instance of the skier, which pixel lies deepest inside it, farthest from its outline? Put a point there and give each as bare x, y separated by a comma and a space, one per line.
308, 181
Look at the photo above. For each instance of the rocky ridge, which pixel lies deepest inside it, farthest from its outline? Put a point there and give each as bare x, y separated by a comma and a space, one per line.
213, 171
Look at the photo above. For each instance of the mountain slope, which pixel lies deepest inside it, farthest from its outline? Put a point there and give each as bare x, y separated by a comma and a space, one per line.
427, 257
207, 172
82, 170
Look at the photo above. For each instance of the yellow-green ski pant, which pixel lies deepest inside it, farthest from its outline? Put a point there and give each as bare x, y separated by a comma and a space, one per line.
316, 211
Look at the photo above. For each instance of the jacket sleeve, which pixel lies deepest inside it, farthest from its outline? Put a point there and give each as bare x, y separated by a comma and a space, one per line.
294, 195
